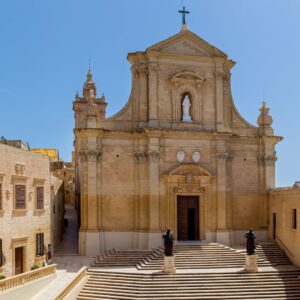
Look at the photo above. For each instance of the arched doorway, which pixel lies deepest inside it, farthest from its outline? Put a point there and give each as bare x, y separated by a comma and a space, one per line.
187, 188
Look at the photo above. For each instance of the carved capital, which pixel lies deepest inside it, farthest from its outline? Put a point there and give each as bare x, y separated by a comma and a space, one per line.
135, 70
220, 74
143, 70
140, 157
224, 157
267, 160
153, 69
154, 156
90, 155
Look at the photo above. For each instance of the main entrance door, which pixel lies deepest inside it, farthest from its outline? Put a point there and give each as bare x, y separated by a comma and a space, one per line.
18, 260
188, 218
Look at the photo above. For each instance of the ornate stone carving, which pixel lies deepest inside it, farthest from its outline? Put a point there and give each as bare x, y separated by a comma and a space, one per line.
224, 157
267, 160
189, 188
189, 178
153, 68
220, 74
20, 168
154, 156
140, 157
90, 155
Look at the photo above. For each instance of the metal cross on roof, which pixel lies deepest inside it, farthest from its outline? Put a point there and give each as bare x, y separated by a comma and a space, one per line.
183, 12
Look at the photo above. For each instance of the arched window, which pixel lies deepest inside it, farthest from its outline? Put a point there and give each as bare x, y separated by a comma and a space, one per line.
186, 107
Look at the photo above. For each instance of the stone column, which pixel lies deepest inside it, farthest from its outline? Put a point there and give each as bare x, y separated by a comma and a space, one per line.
153, 69
154, 156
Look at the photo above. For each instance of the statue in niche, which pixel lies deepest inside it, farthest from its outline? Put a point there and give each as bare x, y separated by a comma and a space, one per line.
186, 103
250, 236
168, 242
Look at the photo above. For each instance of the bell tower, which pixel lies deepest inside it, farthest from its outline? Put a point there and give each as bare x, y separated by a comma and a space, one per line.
89, 110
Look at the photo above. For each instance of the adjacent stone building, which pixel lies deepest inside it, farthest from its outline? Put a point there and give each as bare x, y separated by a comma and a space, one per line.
284, 220
24, 208
178, 155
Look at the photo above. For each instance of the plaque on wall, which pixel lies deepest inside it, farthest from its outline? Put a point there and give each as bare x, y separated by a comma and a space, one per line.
196, 157
180, 156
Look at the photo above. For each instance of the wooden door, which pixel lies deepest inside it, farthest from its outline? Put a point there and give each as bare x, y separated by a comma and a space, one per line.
187, 218
18, 260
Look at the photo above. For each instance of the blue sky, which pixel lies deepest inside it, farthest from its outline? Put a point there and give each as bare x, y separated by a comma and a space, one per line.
46, 45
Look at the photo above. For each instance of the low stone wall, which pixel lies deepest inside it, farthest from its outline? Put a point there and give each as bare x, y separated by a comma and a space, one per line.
21, 279
72, 285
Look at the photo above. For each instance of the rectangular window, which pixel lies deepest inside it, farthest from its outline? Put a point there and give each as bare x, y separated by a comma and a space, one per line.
40, 197
294, 218
20, 192
1, 254
1, 204
39, 244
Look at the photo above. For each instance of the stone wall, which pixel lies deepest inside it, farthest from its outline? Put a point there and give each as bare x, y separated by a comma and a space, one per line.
18, 227
283, 203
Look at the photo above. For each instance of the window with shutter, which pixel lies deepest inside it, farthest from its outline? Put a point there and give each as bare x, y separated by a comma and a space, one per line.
39, 244
40, 197
1, 204
1, 254
294, 218
20, 192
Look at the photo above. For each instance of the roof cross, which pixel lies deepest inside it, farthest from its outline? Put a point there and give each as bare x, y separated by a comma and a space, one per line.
183, 12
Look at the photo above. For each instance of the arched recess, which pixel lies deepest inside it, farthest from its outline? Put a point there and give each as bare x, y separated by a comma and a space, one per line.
191, 83
186, 180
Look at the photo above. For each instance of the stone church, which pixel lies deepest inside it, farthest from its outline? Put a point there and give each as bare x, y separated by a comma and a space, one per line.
178, 155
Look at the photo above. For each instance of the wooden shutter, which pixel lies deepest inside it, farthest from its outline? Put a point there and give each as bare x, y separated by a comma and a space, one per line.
1, 254
20, 191
39, 244
40, 197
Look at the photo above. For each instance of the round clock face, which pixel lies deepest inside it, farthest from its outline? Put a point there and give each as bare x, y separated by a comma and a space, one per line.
196, 157
180, 156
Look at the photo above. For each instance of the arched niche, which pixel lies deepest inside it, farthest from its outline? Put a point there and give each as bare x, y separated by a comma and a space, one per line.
190, 83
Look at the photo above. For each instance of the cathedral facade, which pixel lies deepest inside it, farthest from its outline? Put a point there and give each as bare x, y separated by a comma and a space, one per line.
178, 155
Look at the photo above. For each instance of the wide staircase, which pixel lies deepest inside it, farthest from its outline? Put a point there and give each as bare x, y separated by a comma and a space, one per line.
204, 271
187, 256
217, 286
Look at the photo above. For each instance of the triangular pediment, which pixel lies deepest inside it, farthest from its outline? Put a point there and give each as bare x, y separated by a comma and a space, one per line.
186, 43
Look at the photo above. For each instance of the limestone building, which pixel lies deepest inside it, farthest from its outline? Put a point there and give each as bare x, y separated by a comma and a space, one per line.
24, 208
284, 208
178, 155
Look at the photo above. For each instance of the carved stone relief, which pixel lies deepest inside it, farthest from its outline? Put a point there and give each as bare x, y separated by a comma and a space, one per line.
90, 155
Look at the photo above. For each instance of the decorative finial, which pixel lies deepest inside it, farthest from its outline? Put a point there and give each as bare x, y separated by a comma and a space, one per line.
184, 12
77, 95
89, 74
264, 103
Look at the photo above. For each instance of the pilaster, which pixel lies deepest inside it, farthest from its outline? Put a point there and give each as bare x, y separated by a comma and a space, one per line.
219, 76
90, 159
153, 70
